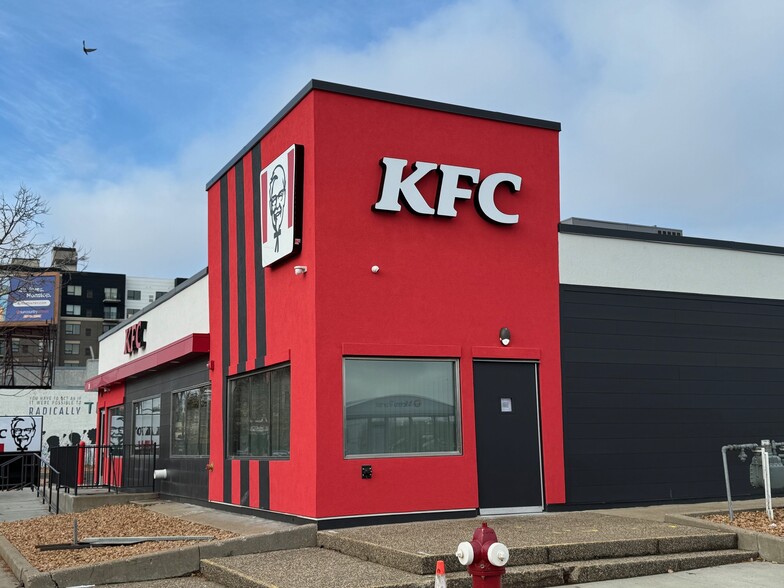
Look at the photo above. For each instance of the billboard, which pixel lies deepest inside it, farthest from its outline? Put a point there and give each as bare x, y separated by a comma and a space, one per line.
29, 300
20, 433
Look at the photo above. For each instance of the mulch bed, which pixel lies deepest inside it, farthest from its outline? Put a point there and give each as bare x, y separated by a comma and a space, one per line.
753, 520
110, 521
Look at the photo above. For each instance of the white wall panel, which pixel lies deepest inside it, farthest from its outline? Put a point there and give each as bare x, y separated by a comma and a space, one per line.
183, 314
590, 260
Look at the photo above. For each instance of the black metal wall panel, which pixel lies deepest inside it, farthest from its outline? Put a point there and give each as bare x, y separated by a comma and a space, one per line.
187, 475
655, 383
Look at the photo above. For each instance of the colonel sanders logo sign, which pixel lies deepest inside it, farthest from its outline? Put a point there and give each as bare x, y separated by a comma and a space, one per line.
281, 195
20, 433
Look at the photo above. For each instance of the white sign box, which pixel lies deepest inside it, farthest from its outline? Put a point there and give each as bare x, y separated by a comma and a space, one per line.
281, 198
20, 433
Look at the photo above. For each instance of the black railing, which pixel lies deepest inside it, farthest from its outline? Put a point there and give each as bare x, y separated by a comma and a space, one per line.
49, 486
21, 470
114, 467
30, 470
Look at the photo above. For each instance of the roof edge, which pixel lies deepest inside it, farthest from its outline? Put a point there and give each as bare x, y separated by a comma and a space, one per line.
382, 97
670, 239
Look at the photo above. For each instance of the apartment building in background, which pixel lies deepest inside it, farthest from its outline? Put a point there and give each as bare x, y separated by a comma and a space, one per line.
80, 307
139, 292
91, 303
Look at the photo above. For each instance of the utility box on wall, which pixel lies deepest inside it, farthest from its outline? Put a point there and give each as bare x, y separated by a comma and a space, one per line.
776, 471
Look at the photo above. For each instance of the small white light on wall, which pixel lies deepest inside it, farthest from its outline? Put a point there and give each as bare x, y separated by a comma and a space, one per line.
300, 269
505, 336
375, 269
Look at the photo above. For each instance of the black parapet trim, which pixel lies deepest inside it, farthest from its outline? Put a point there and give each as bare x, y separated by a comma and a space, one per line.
385, 97
672, 239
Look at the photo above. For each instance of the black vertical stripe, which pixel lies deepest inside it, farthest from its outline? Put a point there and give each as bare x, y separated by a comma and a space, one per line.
264, 487
225, 305
242, 309
244, 482
261, 317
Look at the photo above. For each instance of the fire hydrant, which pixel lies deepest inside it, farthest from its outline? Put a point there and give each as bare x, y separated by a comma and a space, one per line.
485, 557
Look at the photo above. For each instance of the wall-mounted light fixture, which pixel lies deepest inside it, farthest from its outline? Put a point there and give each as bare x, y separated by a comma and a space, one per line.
375, 269
300, 269
505, 336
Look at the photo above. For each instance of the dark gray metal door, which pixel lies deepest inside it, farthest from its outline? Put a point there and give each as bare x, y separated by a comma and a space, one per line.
508, 448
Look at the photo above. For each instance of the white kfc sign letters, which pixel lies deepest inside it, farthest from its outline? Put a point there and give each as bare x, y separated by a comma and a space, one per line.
394, 186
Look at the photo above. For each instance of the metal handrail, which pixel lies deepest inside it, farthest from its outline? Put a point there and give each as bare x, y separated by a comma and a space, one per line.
50, 473
39, 477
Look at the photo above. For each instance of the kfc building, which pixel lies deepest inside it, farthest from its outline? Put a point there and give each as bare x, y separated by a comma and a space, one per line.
385, 325
365, 250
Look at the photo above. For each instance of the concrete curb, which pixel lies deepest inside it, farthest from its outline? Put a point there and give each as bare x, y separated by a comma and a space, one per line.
615, 569
170, 563
82, 502
15, 560
154, 566
769, 547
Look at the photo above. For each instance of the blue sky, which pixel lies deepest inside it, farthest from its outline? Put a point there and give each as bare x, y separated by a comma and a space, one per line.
671, 111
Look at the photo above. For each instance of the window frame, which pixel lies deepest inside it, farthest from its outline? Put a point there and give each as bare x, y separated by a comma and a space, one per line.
73, 290
133, 295
229, 407
73, 310
455, 361
73, 328
141, 448
116, 410
204, 387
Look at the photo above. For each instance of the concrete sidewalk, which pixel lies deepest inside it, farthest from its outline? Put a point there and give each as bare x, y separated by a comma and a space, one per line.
586, 527
17, 505
760, 574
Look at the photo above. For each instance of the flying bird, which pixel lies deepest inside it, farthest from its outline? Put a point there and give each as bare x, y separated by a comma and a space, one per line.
87, 50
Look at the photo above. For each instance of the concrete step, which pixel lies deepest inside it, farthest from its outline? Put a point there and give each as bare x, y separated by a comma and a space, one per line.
402, 556
306, 568
632, 567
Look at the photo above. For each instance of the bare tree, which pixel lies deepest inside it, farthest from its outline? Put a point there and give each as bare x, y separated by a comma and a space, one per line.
20, 226
27, 259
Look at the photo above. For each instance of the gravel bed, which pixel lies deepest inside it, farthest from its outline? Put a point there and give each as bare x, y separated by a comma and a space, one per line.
753, 520
126, 520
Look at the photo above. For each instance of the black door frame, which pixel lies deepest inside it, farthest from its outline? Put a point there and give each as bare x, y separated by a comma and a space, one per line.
527, 508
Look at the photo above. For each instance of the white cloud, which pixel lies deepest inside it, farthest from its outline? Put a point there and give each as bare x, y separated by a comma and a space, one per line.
670, 110
671, 115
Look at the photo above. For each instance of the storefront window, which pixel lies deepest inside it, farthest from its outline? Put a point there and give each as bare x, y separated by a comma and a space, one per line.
191, 422
116, 425
400, 407
259, 414
147, 422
